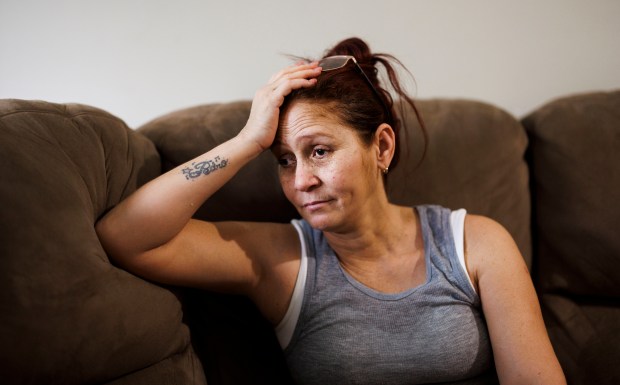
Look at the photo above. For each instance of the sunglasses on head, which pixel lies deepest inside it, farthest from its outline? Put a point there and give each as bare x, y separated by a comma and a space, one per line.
331, 63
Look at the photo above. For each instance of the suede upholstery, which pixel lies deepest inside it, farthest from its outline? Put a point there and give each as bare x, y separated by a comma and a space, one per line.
575, 163
67, 315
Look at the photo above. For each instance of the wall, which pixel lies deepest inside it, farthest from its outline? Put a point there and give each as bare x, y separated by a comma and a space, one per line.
141, 59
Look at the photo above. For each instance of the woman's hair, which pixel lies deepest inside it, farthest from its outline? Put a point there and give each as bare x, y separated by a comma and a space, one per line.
345, 93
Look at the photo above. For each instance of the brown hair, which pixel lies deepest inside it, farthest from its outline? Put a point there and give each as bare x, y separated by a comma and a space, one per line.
346, 93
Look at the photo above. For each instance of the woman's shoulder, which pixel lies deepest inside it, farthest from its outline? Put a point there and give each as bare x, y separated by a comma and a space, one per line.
488, 246
483, 233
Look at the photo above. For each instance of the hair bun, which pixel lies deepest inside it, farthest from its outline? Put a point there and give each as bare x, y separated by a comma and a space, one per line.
355, 47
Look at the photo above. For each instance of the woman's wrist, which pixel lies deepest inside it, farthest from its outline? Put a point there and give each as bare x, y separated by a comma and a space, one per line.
251, 145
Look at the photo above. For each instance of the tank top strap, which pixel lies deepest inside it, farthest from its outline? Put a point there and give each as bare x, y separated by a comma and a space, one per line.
439, 241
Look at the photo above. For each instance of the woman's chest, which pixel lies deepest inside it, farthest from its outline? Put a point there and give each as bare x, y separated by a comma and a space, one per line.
411, 341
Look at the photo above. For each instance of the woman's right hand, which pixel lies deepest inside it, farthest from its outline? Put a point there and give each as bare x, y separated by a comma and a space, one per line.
264, 115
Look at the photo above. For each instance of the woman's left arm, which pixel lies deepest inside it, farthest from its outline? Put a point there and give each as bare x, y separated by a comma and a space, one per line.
521, 346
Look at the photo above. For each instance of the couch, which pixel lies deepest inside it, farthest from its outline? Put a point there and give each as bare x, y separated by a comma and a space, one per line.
68, 315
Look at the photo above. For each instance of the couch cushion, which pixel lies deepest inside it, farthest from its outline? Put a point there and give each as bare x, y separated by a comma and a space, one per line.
66, 314
575, 156
575, 165
585, 337
475, 160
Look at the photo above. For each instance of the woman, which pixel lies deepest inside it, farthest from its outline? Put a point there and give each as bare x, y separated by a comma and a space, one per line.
360, 290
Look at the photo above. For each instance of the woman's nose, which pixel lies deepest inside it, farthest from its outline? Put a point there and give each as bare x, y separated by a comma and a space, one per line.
305, 177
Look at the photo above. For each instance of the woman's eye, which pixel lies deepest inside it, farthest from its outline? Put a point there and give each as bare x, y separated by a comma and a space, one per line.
286, 161
319, 152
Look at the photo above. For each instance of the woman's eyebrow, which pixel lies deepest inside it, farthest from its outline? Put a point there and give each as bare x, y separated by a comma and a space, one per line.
306, 137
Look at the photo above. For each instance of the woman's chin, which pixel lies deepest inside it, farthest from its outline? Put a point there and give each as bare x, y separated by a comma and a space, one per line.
322, 222
325, 216
316, 221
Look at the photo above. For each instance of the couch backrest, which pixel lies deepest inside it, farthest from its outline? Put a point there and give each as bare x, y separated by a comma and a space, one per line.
67, 315
475, 160
575, 156
575, 165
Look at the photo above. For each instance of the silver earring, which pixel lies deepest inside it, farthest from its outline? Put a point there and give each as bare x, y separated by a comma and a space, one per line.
386, 170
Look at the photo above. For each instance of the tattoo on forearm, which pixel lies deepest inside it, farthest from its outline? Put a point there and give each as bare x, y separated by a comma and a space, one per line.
204, 168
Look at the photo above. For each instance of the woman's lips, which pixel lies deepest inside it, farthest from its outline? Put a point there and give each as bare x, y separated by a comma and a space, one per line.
316, 205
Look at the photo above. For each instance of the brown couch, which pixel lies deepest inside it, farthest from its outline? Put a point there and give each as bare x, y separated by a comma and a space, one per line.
69, 316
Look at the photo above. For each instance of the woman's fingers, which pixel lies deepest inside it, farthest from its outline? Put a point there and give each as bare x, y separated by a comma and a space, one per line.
293, 78
283, 87
296, 70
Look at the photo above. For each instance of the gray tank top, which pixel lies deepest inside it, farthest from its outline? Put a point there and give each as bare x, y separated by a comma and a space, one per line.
348, 333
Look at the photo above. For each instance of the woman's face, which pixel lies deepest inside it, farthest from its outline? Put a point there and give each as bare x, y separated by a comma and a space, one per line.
326, 171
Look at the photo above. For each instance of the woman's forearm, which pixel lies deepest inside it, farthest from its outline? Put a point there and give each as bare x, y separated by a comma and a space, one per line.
159, 210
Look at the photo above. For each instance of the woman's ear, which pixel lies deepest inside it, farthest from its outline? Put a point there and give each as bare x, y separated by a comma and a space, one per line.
385, 141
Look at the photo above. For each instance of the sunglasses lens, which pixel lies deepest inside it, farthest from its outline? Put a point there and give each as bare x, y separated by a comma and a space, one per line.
333, 62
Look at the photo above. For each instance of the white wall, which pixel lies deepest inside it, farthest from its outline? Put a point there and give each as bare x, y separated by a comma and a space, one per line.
141, 59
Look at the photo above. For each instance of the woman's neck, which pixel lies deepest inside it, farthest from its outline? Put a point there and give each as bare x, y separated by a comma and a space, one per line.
387, 254
376, 235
